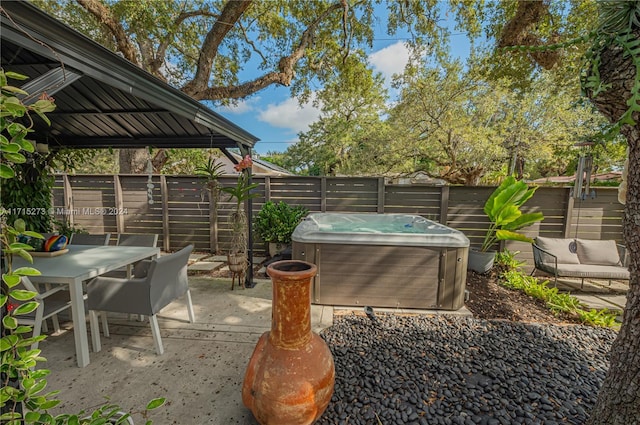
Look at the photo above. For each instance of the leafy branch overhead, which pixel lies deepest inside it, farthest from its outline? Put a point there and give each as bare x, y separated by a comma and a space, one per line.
203, 47
618, 31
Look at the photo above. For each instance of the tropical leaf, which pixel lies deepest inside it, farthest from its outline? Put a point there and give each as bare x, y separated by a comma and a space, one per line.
524, 220
507, 235
507, 214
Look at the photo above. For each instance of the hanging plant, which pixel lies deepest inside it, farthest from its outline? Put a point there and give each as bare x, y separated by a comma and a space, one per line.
241, 192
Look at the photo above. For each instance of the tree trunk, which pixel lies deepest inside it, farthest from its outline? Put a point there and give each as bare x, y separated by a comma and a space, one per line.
619, 398
133, 161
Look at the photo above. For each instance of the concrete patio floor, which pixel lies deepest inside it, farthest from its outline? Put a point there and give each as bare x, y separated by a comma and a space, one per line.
201, 372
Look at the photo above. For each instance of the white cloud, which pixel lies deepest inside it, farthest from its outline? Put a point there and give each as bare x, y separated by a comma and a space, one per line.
390, 60
290, 115
242, 106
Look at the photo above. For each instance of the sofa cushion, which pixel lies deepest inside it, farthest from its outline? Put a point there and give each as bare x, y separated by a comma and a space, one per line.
560, 248
604, 253
589, 271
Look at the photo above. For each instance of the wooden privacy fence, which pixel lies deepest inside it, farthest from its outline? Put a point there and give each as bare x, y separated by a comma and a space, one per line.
177, 208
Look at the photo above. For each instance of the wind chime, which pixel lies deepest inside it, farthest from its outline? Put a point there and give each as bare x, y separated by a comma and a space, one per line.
150, 185
582, 186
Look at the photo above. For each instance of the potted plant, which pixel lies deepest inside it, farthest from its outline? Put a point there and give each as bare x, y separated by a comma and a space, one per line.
237, 256
275, 224
503, 210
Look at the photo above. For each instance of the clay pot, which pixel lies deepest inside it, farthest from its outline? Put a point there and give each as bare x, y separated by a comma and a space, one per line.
291, 375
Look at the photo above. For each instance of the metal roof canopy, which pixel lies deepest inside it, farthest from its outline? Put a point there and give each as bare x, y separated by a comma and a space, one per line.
103, 100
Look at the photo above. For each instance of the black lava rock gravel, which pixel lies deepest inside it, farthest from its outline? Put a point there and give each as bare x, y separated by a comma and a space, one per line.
463, 371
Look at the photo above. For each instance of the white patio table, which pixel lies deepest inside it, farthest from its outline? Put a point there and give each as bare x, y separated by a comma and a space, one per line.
81, 263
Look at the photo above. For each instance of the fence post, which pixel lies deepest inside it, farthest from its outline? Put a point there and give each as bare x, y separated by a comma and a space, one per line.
117, 189
568, 216
444, 204
166, 237
267, 189
381, 195
213, 219
323, 194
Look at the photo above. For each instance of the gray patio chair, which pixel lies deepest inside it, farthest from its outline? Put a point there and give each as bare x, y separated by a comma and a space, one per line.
165, 280
85, 239
130, 239
50, 302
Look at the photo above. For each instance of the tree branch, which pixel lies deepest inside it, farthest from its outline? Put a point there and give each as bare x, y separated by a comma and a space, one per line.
166, 41
231, 12
251, 43
517, 32
198, 89
103, 14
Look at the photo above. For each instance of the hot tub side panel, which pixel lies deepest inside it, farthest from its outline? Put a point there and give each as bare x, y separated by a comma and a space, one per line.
453, 278
383, 276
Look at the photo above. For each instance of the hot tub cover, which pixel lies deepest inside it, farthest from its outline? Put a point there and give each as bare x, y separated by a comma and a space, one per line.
377, 229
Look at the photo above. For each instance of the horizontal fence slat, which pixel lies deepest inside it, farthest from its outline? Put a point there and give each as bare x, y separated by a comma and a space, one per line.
188, 206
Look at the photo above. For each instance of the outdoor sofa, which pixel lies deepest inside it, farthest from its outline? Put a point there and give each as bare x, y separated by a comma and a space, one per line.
580, 258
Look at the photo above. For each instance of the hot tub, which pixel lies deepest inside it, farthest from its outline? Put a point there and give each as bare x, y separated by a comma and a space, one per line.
383, 260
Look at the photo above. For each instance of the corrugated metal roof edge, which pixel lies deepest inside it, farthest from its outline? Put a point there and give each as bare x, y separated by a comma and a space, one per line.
94, 60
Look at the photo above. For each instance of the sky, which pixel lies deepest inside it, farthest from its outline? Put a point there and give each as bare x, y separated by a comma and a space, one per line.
276, 118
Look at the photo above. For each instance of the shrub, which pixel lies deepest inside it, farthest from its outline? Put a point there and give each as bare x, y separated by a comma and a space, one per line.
275, 223
557, 302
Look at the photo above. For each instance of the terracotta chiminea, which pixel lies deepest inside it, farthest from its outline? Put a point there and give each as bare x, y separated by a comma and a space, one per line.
291, 375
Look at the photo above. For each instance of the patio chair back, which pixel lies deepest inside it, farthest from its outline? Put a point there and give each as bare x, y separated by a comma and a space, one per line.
86, 239
130, 239
168, 278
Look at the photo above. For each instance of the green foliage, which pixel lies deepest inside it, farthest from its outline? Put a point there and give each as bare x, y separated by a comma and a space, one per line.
451, 122
64, 227
276, 222
616, 28
506, 260
86, 161
211, 169
28, 194
618, 32
26, 191
22, 396
329, 33
13, 132
242, 191
603, 318
349, 134
503, 210
557, 302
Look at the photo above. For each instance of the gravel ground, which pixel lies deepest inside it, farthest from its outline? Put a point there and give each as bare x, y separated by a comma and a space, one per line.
461, 370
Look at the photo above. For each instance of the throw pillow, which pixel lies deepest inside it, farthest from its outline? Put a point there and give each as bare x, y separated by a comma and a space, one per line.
560, 248
602, 253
